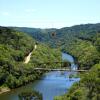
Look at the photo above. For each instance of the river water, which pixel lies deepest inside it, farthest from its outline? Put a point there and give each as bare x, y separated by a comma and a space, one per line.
51, 84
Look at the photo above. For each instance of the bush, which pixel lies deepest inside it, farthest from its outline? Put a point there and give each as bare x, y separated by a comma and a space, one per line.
30, 95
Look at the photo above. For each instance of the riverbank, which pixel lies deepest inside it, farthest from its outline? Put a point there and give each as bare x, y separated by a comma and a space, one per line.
4, 89
51, 84
7, 89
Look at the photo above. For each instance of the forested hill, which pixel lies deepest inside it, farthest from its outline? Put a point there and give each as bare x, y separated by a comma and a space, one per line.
82, 41
41, 35
64, 34
14, 47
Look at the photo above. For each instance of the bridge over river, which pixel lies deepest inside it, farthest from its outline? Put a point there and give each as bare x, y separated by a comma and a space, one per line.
59, 69
64, 66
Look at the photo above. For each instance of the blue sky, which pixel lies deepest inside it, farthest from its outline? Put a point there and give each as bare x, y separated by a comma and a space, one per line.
48, 13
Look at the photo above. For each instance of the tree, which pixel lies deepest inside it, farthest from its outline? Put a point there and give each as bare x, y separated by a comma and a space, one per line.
30, 95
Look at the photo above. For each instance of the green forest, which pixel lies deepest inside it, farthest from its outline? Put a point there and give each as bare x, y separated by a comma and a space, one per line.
14, 47
81, 41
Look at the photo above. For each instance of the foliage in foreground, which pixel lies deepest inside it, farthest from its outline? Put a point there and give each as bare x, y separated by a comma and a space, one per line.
30, 95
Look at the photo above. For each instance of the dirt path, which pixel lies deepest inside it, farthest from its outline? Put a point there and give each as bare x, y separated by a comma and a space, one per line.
27, 59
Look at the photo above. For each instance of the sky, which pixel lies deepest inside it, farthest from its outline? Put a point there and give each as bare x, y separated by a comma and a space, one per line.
48, 13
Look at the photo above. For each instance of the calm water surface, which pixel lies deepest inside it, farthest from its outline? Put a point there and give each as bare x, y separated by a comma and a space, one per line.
50, 85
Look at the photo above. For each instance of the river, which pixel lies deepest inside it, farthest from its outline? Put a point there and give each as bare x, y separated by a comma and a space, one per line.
51, 84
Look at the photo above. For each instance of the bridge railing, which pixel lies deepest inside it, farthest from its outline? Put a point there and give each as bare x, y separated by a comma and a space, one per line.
64, 66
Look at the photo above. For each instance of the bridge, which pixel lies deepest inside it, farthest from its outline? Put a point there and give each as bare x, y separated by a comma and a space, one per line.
59, 69
64, 66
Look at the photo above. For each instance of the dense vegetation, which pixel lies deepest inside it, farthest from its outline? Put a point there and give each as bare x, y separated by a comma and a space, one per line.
87, 89
30, 95
83, 42
63, 36
14, 47
86, 52
44, 56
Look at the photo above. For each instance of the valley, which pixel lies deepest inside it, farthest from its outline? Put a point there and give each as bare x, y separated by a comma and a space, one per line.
18, 45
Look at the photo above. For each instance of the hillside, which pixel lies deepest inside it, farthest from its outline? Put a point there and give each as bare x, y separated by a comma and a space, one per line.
63, 34
14, 47
78, 38
83, 42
